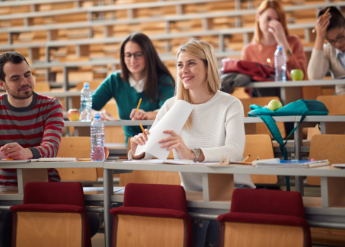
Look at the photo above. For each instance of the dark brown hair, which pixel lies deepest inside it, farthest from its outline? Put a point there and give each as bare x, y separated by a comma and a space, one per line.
154, 67
10, 56
337, 19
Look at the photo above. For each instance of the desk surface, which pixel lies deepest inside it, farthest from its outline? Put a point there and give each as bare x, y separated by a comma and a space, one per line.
329, 118
326, 171
273, 84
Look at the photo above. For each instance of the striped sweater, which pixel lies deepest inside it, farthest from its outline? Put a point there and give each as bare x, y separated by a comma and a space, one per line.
37, 127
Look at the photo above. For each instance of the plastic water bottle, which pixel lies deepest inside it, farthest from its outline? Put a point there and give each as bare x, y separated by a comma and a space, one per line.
280, 64
97, 139
85, 103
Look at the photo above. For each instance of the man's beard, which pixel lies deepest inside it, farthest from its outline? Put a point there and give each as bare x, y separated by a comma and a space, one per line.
17, 95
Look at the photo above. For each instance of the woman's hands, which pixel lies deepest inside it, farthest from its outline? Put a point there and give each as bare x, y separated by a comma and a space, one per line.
142, 115
175, 142
138, 115
139, 139
276, 28
321, 30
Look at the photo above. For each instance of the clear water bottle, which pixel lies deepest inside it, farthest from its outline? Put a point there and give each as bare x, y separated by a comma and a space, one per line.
97, 139
280, 64
85, 103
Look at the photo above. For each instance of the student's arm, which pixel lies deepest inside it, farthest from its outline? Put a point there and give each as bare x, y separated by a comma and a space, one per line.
235, 136
297, 59
319, 63
52, 132
318, 66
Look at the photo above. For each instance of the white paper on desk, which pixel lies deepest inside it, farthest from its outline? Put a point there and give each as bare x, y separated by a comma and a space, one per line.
174, 120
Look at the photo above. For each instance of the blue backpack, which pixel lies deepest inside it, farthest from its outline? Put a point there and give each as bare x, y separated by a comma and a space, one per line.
298, 108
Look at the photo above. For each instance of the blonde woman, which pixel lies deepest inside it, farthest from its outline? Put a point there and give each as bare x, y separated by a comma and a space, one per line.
270, 31
215, 127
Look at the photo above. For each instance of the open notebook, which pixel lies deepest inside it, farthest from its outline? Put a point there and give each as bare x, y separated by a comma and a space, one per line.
278, 163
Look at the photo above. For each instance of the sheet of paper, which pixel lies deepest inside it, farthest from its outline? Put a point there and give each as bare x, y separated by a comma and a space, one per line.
174, 120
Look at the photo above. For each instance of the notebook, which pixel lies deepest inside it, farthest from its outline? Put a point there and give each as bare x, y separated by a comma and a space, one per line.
277, 163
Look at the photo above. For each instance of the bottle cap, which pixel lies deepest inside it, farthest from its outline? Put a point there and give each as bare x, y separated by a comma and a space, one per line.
97, 115
279, 47
86, 85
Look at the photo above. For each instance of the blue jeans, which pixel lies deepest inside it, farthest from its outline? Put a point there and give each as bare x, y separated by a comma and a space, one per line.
205, 233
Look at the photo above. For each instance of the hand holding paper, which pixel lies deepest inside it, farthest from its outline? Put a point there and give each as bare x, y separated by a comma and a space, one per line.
173, 120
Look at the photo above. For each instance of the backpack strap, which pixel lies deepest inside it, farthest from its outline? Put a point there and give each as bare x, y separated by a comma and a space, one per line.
273, 128
294, 129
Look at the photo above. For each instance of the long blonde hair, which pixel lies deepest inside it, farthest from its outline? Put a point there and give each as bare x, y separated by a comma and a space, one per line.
277, 6
205, 52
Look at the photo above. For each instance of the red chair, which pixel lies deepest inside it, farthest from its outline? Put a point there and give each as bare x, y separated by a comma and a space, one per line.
267, 218
52, 214
154, 215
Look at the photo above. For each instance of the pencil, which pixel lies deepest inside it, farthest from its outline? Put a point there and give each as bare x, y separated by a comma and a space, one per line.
323, 16
139, 104
142, 128
246, 158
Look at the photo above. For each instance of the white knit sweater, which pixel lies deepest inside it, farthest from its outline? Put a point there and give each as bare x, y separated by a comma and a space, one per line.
217, 129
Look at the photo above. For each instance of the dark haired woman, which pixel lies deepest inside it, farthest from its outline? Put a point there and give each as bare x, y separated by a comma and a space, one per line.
330, 56
142, 75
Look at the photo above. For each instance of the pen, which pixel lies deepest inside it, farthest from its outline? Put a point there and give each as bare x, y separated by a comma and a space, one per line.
246, 158
142, 128
323, 16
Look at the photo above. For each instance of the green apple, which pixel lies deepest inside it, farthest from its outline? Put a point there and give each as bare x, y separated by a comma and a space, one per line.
274, 105
297, 74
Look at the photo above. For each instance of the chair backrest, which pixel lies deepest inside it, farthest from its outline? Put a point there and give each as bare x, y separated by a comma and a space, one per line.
262, 201
149, 177
70, 193
155, 196
260, 146
334, 103
262, 101
261, 128
42, 87
331, 147
78, 147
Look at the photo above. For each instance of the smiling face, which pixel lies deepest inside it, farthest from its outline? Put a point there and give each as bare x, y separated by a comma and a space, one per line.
192, 71
19, 82
336, 37
134, 59
264, 19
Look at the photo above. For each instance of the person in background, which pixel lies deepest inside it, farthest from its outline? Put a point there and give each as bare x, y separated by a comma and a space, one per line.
329, 57
198, 83
30, 128
270, 31
143, 75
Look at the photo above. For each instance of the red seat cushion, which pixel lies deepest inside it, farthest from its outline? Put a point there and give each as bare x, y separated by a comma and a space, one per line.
156, 200
155, 196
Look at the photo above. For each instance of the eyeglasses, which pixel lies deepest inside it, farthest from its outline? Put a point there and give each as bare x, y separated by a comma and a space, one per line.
137, 55
337, 40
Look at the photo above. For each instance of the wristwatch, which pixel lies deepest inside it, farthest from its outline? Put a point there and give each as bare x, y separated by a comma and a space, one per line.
197, 152
288, 52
